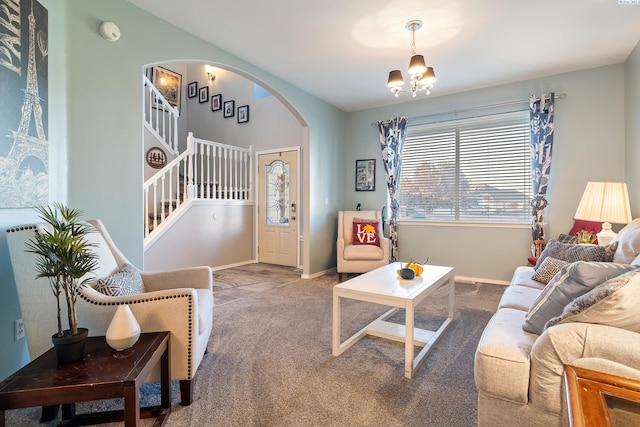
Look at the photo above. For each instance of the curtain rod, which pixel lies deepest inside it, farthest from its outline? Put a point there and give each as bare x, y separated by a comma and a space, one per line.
481, 107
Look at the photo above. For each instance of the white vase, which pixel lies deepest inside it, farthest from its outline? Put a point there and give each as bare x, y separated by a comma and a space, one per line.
124, 330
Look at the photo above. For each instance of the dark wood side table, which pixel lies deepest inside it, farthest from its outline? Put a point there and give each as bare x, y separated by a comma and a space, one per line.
102, 374
600, 399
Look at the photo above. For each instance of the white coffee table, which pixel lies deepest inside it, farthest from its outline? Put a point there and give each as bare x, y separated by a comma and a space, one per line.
383, 286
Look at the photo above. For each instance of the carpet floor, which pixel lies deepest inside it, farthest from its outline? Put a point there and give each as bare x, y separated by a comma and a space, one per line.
269, 364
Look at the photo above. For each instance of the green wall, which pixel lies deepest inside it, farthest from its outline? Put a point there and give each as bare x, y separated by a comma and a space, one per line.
589, 145
632, 128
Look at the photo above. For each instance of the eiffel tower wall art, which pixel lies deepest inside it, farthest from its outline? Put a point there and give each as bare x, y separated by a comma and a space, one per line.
24, 148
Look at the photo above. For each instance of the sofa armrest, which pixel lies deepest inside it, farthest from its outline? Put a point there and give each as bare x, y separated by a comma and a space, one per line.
581, 344
194, 277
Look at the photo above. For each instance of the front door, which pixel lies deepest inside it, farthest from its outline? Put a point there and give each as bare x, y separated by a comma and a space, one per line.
278, 208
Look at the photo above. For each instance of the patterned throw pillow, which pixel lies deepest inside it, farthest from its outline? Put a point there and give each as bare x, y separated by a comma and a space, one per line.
566, 238
125, 281
571, 253
366, 233
573, 281
549, 267
614, 303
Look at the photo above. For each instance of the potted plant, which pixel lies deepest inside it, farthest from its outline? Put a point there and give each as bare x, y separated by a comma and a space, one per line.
65, 258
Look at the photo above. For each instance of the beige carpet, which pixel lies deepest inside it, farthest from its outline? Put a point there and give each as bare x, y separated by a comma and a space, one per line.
270, 364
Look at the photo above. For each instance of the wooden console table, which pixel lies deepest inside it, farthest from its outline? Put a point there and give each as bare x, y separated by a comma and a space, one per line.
102, 374
599, 399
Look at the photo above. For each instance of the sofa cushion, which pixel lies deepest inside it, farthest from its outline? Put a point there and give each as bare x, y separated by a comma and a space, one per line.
613, 303
628, 240
522, 276
572, 281
362, 252
125, 281
518, 297
548, 268
571, 253
365, 232
502, 357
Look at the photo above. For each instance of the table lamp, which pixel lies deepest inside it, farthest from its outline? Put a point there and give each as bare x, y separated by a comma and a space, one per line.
605, 202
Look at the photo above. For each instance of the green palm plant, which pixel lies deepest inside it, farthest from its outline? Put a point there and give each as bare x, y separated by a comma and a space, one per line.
64, 257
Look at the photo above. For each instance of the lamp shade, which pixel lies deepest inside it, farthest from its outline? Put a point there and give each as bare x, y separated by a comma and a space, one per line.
605, 202
395, 79
429, 77
417, 65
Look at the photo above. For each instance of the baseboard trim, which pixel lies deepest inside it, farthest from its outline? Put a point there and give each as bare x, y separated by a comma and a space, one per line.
474, 280
320, 273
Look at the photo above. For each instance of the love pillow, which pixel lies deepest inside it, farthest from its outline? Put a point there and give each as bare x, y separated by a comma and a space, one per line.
366, 233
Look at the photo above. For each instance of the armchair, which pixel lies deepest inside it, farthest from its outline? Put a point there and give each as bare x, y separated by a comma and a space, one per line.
354, 258
178, 301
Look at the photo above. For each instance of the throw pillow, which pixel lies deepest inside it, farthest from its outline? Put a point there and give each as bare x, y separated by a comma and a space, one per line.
366, 233
566, 238
549, 267
571, 253
125, 281
613, 303
610, 252
573, 280
628, 240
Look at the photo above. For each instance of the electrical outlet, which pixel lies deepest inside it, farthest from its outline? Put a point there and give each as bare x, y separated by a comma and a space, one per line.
18, 329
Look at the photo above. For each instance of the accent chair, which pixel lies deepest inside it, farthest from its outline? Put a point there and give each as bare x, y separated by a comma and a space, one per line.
354, 253
178, 301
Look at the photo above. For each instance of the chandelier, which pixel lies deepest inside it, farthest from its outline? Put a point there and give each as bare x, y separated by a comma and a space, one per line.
422, 77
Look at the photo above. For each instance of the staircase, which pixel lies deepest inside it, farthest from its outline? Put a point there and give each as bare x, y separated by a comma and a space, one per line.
207, 171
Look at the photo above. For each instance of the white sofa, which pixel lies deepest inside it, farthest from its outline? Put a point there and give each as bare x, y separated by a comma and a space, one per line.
519, 374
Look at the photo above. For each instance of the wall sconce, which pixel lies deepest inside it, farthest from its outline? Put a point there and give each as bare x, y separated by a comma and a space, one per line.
210, 72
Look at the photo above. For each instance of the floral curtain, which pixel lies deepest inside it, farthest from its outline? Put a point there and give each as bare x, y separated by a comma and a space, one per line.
541, 125
392, 133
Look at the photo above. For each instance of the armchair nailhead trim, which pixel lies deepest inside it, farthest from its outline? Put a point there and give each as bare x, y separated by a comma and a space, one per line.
190, 305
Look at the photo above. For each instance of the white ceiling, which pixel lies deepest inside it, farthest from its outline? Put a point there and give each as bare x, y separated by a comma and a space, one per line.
342, 50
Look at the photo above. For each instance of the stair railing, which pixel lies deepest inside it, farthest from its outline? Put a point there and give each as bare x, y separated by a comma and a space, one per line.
160, 116
207, 170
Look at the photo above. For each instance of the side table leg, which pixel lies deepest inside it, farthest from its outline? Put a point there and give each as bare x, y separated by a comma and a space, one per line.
131, 406
165, 379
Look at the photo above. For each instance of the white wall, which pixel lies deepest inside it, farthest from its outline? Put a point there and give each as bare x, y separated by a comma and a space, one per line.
589, 144
213, 235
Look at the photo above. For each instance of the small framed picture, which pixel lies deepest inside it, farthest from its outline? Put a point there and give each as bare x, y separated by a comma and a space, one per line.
243, 114
366, 175
229, 108
204, 94
192, 89
216, 102
169, 84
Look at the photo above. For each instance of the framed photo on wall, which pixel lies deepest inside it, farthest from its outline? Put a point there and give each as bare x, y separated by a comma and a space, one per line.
229, 107
169, 84
216, 102
192, 89
243, 114
204, 94
366, 175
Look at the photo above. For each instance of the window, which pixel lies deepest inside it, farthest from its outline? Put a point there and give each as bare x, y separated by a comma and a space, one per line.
470, 170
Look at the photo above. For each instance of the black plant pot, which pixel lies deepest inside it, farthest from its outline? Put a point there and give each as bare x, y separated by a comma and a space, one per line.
70, 348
